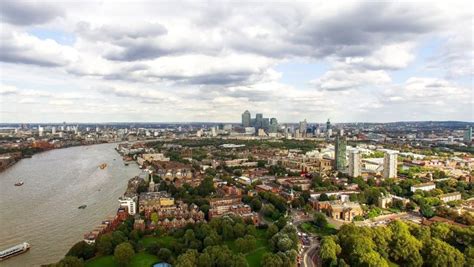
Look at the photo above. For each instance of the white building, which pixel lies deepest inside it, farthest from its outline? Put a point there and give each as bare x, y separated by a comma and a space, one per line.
129, 203
354, 163
390, 164
450, 197
40, 131
423, 187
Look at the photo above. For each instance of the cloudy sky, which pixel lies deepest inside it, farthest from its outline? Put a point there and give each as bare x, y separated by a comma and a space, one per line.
116, 61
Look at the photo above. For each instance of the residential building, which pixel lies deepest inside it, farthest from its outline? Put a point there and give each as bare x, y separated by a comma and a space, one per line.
390, 164
423, 187
354, 163
450, 197
129, 203
340, 153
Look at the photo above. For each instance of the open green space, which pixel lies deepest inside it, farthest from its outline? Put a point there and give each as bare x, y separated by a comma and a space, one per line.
309, 227
141, 259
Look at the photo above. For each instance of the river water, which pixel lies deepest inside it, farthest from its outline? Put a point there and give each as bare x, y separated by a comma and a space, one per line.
44, 211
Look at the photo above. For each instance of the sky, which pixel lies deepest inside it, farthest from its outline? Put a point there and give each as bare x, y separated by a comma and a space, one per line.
208, 61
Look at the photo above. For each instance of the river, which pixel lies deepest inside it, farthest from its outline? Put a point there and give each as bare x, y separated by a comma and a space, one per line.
44, 211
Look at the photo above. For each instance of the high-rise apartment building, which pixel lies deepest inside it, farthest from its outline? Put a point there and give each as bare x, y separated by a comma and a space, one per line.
303, 128
354, 163
246, 119
468, 135
340, 153
390, 164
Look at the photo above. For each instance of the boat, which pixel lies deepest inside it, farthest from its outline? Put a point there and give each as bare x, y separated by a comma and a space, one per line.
13, 251
20, 183
82, 207
103, 166
126, 163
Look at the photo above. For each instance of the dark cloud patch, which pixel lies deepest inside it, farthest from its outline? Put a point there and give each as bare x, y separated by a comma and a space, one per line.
28, 12
141, 51
8, 56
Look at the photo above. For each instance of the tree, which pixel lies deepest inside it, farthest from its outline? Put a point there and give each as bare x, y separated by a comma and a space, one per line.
329, 250
271, 260
272, 230
227, 231
323, 197
405, 248
70, 261
118, 237
239, 230
164, 254
104, 244
438, 253
188, 259
256, 204
123, 253
320, 220
81, 250
427, 211
154, 217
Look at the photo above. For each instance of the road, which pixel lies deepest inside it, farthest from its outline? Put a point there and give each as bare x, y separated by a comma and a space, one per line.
309, 254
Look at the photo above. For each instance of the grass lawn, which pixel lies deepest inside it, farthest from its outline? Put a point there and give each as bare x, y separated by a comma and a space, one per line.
143, 259
140, 259
308, 227
104, 261
255, 257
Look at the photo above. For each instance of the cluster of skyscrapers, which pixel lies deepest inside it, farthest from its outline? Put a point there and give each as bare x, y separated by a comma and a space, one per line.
259, 122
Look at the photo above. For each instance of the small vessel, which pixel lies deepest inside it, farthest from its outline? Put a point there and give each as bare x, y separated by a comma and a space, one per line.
103, 166
126, 163
13, 251
82, 207
20, 183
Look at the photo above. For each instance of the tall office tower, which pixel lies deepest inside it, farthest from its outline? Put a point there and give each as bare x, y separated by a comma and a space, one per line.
303, 128
390, 164
354, 163
341, 132
40, 131
468, 135
53, 130
328, 129
258, 121
273, 125
266, 124
246, 120
340, 153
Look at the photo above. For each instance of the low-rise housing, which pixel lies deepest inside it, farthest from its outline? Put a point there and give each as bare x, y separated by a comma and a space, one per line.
423, 187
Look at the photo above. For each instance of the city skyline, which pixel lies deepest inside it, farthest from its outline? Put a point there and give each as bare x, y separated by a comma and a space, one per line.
106, 62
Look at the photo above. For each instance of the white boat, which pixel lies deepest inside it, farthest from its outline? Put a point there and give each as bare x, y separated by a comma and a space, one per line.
13, 251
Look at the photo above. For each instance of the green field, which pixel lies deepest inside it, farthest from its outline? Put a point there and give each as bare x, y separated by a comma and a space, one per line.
140, 259
309, 227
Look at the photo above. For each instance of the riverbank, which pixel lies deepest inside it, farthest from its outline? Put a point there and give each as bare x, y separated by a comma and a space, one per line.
15, 158
44, 211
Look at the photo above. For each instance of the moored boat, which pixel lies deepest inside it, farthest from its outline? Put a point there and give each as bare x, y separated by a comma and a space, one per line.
20, 183
82, 207
13, 251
